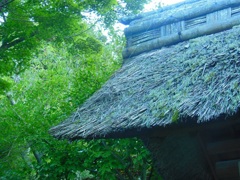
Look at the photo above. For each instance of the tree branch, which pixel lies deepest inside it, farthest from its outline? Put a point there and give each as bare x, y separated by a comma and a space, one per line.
37, 155
151, 173
4, 3
10, 98
13, 43
7, 45
144, 172
26, 158
80, 33
4, 18
119, 175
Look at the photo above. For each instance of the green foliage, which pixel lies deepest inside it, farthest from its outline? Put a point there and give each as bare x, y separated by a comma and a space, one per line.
175, 116
25, 24
4, 86
56, 61
54, 85
102, 159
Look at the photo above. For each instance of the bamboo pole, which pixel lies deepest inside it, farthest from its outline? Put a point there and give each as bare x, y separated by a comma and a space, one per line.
160, 19
181, 36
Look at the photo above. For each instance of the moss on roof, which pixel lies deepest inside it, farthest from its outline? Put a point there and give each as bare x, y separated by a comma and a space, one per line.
198, 78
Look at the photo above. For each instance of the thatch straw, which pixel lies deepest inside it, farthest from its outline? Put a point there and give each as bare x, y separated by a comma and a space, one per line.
198, 78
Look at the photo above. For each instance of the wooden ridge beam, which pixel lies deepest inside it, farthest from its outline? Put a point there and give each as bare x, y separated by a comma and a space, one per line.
158, 19
181, 36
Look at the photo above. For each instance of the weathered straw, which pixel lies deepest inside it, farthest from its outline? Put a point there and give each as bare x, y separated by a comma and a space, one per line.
197, 78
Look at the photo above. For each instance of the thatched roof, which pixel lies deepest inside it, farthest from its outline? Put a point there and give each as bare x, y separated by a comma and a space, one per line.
194, 81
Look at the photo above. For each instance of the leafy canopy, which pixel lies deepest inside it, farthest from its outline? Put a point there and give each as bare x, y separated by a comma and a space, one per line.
54, 60
24, 24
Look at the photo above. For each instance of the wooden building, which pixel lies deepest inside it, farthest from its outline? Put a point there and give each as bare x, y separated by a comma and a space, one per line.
178, 90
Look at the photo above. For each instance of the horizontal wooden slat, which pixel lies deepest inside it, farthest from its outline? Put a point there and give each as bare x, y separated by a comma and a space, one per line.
225, 156
224, 146
235, 11
196, 21
228, 169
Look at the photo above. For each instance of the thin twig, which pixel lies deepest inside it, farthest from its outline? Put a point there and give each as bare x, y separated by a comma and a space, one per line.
80, 33
4, 18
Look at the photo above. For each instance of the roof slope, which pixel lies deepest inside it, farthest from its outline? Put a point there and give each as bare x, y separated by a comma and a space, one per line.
197, 79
